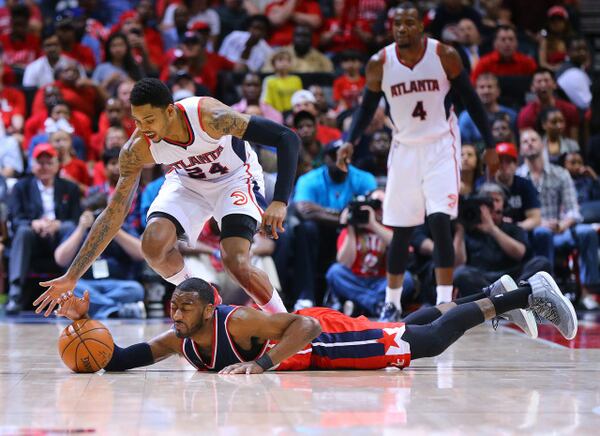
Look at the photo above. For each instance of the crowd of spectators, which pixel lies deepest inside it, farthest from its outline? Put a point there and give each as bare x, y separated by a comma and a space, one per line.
67, 69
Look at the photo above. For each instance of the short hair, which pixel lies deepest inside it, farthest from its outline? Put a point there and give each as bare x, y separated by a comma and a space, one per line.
110, 154
279, 54
544, 70
490, 188
20, 10
260, 18
407, 6
151, 91
304, 115
488, 76
505, 27
205, 291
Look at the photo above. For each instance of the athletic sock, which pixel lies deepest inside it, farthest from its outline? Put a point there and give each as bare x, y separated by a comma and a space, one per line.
517, 299
274, 305
392, 295
176, 279
444, 293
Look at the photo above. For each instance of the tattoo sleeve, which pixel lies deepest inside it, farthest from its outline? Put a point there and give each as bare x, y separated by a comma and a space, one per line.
110, 220
223, 121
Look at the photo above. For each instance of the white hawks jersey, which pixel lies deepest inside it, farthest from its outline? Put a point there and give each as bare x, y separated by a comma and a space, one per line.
417, 96
202, 157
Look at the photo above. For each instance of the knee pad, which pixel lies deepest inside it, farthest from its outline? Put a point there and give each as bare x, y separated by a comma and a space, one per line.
441, 232
397, 258
238, 225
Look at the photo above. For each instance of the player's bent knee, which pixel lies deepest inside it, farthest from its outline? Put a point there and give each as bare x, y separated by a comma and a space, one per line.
158, 240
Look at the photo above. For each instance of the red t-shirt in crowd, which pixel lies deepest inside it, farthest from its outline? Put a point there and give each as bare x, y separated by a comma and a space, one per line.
282, 35
519, 65
82, 99
348, 39
77, 170
82, 54
370, 254
528, 116
35, 125
12, 102
209, 73
348, 90
20, 52
326, 134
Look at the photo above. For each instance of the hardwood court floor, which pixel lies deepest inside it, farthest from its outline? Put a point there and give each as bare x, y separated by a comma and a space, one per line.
487, 383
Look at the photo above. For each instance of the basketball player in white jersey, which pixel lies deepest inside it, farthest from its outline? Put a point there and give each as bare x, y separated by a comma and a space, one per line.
415, 74
213, 171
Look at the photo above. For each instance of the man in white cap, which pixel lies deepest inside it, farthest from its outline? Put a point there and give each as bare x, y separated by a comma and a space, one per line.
305, 100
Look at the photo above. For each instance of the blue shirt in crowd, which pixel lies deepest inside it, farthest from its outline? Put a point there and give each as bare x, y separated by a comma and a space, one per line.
317, 187
469, 133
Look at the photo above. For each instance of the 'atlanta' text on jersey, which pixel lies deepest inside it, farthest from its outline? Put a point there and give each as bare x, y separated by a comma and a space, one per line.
426, 85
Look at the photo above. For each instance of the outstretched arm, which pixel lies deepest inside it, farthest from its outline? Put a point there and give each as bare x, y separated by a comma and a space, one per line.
134, 356
134, 155
292, 331
220, 120
364, 114
460, 82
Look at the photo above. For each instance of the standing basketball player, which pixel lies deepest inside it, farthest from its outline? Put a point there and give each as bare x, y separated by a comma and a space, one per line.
415, 74
213, 171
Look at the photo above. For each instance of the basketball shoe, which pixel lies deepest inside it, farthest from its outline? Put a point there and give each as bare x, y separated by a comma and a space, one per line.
389, 313
548, 302
523, 319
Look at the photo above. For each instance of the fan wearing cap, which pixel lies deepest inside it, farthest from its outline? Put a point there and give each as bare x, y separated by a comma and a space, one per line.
552, 49
44, 209
212, 171
522, 198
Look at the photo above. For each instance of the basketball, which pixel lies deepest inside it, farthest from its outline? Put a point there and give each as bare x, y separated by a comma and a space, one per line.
85, 346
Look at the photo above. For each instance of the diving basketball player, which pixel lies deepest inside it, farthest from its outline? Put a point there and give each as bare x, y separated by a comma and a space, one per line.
213, 171
416, 73
241, 340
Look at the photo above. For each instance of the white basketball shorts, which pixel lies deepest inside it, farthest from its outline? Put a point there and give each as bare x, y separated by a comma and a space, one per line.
192, 202
422, 179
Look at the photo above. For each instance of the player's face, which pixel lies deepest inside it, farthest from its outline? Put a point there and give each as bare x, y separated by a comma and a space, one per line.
152, 121
408, 27
188, 313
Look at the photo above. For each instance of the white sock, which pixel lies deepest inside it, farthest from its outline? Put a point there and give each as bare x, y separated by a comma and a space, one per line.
392, 295
444, 293
274, 305
176, 279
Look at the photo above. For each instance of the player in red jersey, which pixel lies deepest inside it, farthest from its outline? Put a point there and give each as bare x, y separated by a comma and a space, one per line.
241, 340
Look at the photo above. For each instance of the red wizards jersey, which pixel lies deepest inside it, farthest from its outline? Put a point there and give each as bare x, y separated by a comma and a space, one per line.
344, 343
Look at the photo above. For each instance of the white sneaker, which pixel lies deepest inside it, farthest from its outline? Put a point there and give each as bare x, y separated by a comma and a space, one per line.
523, 319
303, 304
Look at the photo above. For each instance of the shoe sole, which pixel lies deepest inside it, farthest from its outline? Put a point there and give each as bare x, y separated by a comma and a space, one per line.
556, 290
531, 330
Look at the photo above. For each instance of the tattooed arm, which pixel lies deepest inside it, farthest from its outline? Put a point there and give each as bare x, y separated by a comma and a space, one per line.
220, 120
134, 155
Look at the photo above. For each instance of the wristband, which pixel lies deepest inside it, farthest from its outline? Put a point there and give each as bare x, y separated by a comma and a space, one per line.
264, 362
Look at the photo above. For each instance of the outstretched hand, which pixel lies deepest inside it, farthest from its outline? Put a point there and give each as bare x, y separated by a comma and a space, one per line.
72, 307
50, 298
273, 218
243, 368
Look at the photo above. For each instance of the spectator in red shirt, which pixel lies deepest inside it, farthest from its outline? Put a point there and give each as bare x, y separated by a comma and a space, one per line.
202, 65
505, 60
71, 168
12, 106
285, 14
35, 124
340, 33
114, 115
145, 41
348, 87
305, 100
67, 36
543, 85
358, 277
80, 93
20, 47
